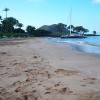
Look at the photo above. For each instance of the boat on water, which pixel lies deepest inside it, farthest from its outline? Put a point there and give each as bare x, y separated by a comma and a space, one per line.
71, 33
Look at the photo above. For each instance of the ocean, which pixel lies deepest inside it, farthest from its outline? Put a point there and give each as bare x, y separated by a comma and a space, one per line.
91, 44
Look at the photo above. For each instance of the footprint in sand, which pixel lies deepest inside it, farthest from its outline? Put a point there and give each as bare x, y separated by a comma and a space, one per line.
20, 65
16, 83
67, 72
29, 97
83, 85
89, 80
35, 57
18, 69
18, 89
2, 66
3, 53
58, 88
89, 96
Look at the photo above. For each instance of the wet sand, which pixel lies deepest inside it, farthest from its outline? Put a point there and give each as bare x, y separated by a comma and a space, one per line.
36, 69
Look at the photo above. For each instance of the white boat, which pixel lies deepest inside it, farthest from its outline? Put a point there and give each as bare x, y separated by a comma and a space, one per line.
73, 34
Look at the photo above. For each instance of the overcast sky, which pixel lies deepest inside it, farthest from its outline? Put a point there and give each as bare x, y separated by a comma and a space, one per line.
46, 12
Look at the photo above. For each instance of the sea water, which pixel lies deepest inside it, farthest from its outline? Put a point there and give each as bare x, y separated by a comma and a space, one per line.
91, 44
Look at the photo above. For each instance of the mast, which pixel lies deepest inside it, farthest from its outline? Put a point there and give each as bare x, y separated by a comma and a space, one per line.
70, 21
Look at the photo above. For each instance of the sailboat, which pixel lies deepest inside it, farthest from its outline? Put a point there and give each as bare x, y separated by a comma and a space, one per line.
72, 35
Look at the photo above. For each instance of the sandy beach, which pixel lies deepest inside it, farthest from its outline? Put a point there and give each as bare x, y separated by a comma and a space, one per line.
37, 69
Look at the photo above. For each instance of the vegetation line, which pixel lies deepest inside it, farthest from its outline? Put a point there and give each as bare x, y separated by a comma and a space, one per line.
11, 27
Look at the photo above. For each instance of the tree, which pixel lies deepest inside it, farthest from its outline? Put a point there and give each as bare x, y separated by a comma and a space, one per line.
1, 18
20, 25
0, 27
8, 24
30, 29
94, 32
6, 10
10, 20
81, 29
40, 33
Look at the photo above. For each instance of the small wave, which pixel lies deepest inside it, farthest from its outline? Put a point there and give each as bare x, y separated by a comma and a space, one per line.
89, 46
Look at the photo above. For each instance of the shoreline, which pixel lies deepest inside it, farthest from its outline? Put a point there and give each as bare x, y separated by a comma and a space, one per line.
81, 46
37, 69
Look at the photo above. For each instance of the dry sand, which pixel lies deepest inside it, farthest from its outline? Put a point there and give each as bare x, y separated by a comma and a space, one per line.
36, 69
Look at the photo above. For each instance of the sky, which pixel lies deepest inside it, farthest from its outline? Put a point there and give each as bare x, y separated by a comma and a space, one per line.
47, 12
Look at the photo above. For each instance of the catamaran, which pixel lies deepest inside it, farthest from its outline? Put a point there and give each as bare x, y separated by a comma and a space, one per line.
71, 33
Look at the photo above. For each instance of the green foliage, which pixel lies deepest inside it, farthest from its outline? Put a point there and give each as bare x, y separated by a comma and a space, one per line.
1, 35
11, 27
81, 29
55, 28
19, 35
20, 25
19, 30
58, 34
10, 21
8, 24
61, 27
39, 33
30, 30
94, 32
0, 17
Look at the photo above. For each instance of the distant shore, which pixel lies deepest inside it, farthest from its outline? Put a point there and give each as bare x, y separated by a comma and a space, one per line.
36, 69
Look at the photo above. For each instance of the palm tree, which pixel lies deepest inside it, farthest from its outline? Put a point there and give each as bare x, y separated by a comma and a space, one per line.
6, 10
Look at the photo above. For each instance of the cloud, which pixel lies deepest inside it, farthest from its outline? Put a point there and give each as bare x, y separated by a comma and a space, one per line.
96, 1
